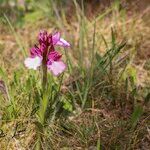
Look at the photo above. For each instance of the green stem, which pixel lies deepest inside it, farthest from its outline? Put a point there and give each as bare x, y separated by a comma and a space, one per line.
44, 80
38, 145
44, 102
43, 108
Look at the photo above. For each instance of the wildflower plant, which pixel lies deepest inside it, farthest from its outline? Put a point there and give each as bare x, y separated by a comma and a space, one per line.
45, 56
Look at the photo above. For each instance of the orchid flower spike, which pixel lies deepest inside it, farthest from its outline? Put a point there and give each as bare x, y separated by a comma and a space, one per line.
45, 52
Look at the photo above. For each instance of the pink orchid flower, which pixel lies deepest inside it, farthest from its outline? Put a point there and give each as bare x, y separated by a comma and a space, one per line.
54, 64
46, 51
59, 41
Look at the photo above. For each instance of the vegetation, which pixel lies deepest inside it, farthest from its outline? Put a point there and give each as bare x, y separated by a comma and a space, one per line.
101, 101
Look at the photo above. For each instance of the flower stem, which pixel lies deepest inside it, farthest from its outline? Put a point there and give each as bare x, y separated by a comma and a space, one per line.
43, 103
44, 77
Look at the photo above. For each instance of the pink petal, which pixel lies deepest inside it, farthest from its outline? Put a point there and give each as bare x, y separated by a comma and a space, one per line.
63, 43
56, 37
33, 63
56, 67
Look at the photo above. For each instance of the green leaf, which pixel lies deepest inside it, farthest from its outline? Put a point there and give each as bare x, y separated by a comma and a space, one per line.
67, 105
98, 57
98, 144
2, 73
113, 37
138, 111
131, 72
147, 98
